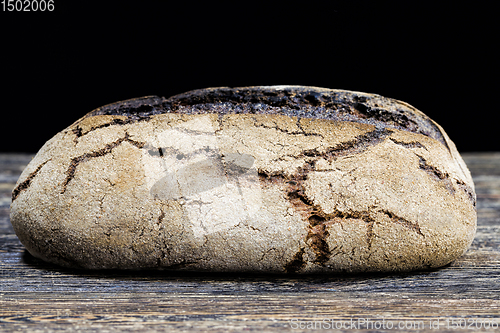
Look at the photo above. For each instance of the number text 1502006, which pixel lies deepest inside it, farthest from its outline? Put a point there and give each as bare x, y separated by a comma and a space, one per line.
28, 5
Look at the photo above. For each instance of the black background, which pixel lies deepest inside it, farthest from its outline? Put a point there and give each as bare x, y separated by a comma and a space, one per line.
436, 55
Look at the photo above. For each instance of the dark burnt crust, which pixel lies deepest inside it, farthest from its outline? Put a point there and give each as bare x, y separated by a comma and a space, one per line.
293, 101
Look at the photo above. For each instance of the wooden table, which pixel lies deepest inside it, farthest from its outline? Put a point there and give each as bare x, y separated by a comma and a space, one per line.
38, 297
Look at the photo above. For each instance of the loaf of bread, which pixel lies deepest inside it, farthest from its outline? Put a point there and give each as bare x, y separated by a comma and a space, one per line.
285, 179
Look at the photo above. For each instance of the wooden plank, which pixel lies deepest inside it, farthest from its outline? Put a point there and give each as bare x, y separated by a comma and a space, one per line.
37, 296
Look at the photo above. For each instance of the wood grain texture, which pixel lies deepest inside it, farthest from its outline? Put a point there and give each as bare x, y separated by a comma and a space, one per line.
35, 296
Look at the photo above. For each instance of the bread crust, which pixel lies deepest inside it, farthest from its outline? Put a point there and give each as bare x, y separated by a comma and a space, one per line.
285, 179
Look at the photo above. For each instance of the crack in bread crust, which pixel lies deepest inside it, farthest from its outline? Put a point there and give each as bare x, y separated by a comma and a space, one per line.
79, 132
27, 182
446, 180
75, 161
297, 262
358, 145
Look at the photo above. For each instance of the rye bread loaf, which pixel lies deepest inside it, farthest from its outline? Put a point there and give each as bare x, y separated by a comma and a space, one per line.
275, 179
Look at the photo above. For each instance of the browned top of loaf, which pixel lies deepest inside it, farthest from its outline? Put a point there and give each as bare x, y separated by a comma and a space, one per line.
293, 101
